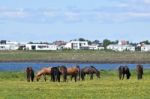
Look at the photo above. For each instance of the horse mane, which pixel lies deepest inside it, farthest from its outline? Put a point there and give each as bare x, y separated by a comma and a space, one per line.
95, 68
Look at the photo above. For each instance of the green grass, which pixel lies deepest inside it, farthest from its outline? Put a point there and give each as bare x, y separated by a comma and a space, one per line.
75, 55
13, 85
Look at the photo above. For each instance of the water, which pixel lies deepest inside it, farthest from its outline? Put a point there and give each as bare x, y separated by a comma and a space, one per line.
21, 66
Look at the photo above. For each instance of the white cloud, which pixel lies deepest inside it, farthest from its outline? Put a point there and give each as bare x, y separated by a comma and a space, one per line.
72, 16
15, 13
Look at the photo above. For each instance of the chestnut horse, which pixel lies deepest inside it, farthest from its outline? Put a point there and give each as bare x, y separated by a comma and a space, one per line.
43, 72
30, 74
74, 72
47, 71
139, 70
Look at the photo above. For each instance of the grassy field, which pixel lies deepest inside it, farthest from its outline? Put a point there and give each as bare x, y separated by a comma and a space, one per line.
13, 85
76, 56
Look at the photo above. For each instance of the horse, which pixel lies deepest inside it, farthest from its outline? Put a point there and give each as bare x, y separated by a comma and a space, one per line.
55, 74
89, 70
139, 70
74, 72
63, 71
44, 71
124, 70
30, 74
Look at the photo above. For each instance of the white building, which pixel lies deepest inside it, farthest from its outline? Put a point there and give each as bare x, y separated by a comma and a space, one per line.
121, 48
8, 45
145, 48
76, 45
95, 47
40, 47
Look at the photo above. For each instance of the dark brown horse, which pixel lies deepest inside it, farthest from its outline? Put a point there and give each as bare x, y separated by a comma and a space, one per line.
43, 72
30, 74
55, 74
89, 70
139, 70
124, 70
74, 72
63, 71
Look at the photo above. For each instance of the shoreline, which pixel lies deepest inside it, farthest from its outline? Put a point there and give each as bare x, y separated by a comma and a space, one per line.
76, 61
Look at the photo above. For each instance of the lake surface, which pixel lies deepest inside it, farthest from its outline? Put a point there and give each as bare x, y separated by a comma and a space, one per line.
21, 66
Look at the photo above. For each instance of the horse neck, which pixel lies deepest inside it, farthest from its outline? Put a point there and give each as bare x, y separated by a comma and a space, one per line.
96, 71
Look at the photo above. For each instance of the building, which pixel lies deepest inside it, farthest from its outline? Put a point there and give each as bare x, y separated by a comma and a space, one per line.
8, 45
145, 48
76, 45
121, 48
95, 47
41, 47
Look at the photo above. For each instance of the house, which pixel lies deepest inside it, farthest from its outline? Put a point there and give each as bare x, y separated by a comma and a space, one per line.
95, 47
117, 47
37, 46
8, 45
76, 45
145, 48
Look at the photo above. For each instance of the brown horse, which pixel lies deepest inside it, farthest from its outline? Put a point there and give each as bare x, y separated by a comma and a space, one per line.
139, 69
89, 70
74, 72
30, 74
44, 71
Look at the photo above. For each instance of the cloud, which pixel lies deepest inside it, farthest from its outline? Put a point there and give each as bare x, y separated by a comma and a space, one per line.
123, 11
71, 16
15, 13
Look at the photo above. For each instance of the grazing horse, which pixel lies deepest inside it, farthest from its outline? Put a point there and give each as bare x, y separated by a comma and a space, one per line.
55, 74
44, 71
89, 70
124, 70
30, 74
74, 72
139, 69
63, 71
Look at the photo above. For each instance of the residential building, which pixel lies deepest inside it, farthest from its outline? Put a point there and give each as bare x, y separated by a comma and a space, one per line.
121, 48
8, 45
41, 47
95, 47
76, 45
145, 48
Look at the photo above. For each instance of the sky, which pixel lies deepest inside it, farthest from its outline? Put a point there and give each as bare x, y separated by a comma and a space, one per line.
50, 20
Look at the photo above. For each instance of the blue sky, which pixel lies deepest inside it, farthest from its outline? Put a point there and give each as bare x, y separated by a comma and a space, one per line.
50, 20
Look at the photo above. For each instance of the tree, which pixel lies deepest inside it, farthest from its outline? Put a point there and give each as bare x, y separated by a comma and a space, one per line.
145, 42
96, 42
82, 39
106, 42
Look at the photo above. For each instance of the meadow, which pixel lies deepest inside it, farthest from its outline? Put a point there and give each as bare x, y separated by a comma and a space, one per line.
76, 56
13, 85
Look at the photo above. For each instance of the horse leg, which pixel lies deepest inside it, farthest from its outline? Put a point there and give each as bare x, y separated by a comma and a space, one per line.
123, 76
44, 77
91, 77
72, 77
65, 77
58, 78
75, 77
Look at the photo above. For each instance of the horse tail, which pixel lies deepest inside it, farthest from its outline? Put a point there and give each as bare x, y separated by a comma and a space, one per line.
79, 72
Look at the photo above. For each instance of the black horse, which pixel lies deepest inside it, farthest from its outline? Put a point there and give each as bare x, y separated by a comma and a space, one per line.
55, 74
89, 70
30, 74
124, 70
139, 69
